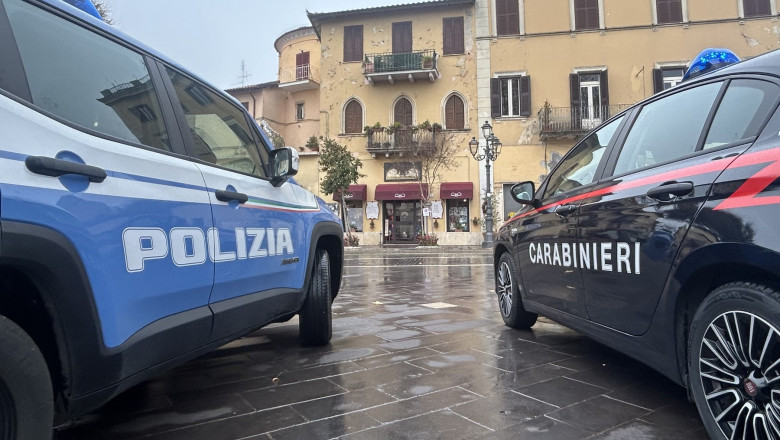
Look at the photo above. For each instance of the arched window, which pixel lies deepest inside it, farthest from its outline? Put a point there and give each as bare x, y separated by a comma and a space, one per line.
403, 112
454, 113
353, 117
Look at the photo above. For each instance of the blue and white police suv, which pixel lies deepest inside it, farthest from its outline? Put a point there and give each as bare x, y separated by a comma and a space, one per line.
144, 219
657, 234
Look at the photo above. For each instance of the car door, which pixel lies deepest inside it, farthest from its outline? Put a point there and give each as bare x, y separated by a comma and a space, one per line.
88, 152
545, 243
258, 241
636, 219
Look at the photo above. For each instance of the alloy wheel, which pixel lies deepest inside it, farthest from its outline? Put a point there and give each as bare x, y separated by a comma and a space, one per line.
504, 289
739, 361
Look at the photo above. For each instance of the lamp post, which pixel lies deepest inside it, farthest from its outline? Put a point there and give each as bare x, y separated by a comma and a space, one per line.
489, 152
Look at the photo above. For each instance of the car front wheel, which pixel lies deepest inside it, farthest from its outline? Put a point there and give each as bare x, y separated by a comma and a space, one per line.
734, 362
315, 315
509, 302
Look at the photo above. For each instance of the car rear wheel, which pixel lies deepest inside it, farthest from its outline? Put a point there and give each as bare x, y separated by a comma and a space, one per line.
315, 315
26, 405
509, 302
734, 362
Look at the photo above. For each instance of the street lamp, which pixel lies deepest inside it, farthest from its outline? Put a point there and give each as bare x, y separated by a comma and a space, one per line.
489, 152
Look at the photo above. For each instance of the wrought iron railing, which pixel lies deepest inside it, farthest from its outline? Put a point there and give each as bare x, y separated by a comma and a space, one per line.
399, 62
299, 73
575, 120
401, 141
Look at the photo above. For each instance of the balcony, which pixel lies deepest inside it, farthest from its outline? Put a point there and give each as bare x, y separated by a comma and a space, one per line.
298, 78
407, 66
410, 142
574, 121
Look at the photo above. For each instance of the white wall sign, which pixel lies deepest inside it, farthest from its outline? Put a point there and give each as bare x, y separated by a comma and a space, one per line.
372, 210
436, 209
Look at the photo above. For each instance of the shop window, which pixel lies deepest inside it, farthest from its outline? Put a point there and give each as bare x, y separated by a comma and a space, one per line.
355, 215
458, 215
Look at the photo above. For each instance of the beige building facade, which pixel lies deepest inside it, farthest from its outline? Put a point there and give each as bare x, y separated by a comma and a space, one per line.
542, 73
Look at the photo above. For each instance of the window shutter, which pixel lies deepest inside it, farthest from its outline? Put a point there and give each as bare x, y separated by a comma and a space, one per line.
507, 17
453, 36
574, 87
658, 80
402, 37
353, 43
525, 96
495, 97
604, 94
353, 118
403, 112
454, 113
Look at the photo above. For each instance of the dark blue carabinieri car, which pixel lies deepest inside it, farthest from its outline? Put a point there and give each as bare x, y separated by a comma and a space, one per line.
657, 234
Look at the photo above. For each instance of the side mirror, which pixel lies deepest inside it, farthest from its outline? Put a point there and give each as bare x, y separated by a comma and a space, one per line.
284, 164
523, 192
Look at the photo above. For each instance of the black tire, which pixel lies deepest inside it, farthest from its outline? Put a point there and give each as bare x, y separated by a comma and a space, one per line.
508, 291
734, 361
26, 398
315, 317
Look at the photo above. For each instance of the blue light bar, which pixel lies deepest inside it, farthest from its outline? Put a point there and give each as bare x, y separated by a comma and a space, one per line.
708, 60
86, 6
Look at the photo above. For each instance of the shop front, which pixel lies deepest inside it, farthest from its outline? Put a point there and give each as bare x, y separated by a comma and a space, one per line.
401, 211
354, 199
457, 196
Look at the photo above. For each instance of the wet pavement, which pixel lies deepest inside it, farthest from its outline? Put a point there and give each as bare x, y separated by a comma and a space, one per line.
419, 351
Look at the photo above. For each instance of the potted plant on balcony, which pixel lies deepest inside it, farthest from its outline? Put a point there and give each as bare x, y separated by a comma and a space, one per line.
368, 66
394, 128
427, 62
436, 127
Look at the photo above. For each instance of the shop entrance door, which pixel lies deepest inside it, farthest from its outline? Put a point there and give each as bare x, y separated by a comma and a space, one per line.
402, 221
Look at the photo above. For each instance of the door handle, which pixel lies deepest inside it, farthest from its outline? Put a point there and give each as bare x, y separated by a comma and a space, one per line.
50, 166
668, 191
564, 210
231, 196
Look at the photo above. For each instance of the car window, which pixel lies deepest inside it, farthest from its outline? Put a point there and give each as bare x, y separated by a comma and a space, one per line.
86, 79
744, 108
667, 129
579, 166
219, 129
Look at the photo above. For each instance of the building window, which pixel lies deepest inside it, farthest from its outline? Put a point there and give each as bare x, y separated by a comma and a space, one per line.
667, 77
355, 215
402, 112
298, 111
586, 14
402, 37
510, 96
453, 36
454, 113
302, 69
457, 215
353, 117
589, 99
353, 43
756, 8
669, 11
245, 104
507, 17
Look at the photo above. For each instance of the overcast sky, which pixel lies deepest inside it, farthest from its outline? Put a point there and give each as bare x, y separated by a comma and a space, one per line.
212, 37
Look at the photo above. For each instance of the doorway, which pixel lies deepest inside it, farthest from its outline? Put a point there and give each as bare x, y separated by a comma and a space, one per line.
590, 100
402, 221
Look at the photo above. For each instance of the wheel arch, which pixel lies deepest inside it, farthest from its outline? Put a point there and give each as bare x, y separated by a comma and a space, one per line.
328, 236
708, 268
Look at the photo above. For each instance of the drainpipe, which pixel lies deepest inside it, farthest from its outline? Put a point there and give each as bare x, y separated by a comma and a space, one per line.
254, 105
327, 123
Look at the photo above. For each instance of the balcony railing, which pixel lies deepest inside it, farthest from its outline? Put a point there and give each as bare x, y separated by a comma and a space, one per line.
563, 121
400, 142
302, 77
390, 67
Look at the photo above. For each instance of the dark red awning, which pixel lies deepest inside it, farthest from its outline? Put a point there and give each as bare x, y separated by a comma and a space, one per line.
399, 191
457, 190
355, 192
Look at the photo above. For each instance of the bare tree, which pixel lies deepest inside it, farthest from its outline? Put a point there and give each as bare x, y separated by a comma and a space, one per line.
434, 159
